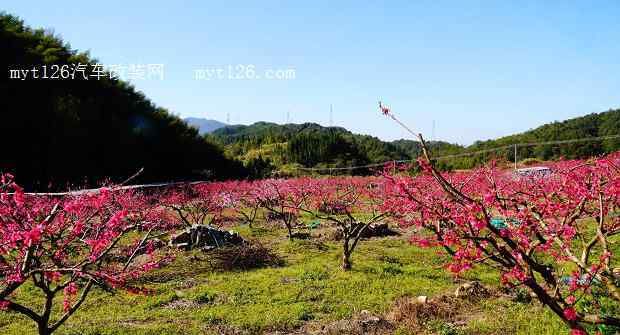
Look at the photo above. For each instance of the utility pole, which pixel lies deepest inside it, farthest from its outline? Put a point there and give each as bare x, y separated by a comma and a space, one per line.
515, 156
433, 132
331, 115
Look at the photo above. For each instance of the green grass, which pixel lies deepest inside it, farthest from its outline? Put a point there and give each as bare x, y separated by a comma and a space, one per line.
310, 287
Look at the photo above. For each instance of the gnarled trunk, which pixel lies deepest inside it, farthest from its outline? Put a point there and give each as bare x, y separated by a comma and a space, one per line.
346, 262
346, 254
43, 329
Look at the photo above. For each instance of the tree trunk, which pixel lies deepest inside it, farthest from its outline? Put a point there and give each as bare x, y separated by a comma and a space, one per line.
547, 300
43, 330
346, 261
346, 250
290, 231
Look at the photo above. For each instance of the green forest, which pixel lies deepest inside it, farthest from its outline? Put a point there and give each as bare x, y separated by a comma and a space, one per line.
286, 148
581, 129
58, 133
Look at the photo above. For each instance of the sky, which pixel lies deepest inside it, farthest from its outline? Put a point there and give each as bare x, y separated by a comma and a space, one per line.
475, 69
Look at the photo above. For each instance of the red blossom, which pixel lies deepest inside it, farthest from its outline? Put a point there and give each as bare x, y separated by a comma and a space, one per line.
570, 313
4, 305
18, 196
528, 227
63, 243
69, 292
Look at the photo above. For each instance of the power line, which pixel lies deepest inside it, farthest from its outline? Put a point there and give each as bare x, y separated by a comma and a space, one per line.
465, 154
355, 167
586, 139
387, 112
471, 153
531, 144
114, 188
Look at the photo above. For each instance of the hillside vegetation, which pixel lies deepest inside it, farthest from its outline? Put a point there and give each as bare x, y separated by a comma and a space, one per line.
592, 125
286, 148
81, 131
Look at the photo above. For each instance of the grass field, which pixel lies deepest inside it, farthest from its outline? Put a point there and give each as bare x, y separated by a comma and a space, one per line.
308, 292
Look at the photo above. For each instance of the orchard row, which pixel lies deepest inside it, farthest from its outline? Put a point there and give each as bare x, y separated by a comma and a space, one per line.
554, 234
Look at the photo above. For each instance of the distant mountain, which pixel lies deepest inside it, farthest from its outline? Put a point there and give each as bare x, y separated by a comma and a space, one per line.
204, 126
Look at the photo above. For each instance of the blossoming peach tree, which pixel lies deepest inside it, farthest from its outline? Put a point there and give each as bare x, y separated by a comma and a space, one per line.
197, 204
244, 199
282, 200
66, 246
555, 234
350, 204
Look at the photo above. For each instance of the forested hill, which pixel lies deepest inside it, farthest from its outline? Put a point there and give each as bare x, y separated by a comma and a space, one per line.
269, 146
285, 148
81, 130
590, 126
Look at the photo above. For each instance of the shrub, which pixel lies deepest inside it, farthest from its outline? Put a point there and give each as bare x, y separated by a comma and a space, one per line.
530, 161
245, 256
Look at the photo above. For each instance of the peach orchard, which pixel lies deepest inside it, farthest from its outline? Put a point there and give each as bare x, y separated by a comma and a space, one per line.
551, 234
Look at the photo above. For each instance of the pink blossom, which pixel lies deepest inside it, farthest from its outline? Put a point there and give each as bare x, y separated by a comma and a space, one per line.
570, 313
424, 243
605, 256
69, 292
4, 305
81, 228
568, 232
33, 236
489, 197
544, 217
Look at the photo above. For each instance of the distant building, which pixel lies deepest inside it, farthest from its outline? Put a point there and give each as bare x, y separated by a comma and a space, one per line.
535, 171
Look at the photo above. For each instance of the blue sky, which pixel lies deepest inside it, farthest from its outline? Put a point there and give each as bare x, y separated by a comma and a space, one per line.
478, 69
